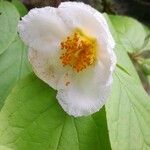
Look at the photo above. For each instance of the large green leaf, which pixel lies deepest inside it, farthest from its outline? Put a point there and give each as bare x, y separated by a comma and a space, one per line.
128, 108
13, 66
32, 119
128, 111
130, 33
9, 18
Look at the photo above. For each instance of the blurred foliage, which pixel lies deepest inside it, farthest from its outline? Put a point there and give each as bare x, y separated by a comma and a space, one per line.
141, 62
20, 7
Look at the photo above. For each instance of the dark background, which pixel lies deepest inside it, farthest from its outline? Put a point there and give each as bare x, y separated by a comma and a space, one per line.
140, 9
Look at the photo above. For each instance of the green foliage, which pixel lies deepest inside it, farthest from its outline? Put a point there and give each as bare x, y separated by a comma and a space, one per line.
4, 148
128, 108
128, 111
21, 8
146, 66
32, 119
130, 33
13, 66
146, 46
9, 18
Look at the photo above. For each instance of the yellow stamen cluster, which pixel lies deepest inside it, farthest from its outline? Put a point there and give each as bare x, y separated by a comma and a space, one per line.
78, 51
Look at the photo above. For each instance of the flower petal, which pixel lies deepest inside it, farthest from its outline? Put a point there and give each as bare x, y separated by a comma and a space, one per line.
78, 14
41, 28
46, 66
88, 19
86, 92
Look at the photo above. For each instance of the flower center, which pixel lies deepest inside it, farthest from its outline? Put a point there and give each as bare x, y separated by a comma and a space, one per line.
78, 51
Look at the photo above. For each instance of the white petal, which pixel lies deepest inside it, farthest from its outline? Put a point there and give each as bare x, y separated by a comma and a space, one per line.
41, 28
88, 19
46, 66
78, 14
87, 91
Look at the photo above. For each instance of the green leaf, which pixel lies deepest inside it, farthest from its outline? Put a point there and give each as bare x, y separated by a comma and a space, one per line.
123, 61
32, 119
146, 66
128, 111
146, 46
128, 108
13, 66
9, 18
130, 33
4, 148
21, 8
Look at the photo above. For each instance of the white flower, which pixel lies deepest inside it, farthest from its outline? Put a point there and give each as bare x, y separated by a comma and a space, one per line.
71, 49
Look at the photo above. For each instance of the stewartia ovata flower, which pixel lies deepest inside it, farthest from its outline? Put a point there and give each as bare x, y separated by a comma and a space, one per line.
71, 49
